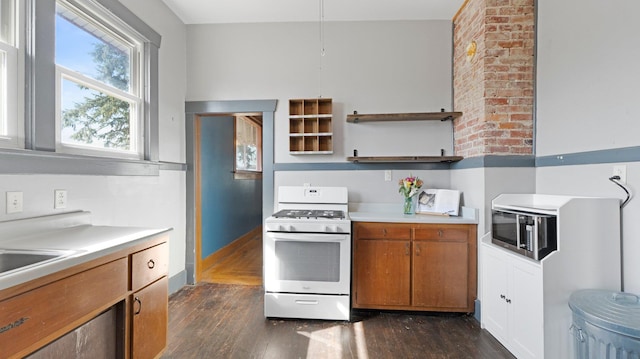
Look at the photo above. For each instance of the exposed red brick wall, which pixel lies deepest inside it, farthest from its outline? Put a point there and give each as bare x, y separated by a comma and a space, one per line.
494, 91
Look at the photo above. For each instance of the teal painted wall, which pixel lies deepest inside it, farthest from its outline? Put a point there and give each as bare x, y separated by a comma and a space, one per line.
230, 208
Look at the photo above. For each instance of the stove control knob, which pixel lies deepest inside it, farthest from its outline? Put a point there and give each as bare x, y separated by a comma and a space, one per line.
290, 228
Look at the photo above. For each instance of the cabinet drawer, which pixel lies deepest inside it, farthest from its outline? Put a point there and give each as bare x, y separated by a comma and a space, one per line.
29, 320
446, 233
149, 265
382, 231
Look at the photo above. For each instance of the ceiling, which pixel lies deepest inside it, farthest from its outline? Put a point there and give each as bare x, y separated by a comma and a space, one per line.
245, 11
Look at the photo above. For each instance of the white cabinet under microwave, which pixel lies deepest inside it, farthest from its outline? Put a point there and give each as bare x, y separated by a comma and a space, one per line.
524, 301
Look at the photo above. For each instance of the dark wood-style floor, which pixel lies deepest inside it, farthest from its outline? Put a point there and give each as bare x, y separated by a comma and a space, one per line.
223, 320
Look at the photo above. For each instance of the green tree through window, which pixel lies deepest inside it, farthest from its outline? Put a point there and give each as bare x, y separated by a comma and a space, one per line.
101, 116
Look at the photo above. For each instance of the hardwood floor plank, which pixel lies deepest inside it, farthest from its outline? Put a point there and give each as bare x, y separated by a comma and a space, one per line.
215, 319
227, 321
244, 266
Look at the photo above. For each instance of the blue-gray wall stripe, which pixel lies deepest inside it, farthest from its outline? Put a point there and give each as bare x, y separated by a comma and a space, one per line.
625, 154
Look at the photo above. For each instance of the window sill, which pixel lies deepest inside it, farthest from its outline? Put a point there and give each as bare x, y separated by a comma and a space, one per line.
41, 162
247, 175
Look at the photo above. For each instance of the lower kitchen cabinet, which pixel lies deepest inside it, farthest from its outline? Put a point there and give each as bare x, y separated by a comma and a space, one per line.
150, 308
382, 260
512, 302
130, 283
412, 266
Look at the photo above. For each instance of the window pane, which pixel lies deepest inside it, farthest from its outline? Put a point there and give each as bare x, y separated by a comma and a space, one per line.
7, 28
247, 145
85, 48
7, 36
3, 94
94, 118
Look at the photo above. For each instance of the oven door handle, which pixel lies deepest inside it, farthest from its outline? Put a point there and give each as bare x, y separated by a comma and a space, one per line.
309, 237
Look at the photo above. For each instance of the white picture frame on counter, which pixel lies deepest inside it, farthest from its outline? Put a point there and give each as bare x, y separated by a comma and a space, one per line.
442, 202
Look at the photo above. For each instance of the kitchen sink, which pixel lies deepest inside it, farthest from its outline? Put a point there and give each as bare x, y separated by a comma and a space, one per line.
12, 260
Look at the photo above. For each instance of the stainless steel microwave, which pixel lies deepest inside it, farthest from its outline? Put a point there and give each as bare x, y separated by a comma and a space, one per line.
531, 234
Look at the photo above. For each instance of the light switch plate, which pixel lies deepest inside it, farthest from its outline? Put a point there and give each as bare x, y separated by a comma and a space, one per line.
60, 199
14, 202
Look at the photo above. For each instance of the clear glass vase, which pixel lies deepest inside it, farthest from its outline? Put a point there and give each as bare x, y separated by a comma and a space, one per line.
410, 205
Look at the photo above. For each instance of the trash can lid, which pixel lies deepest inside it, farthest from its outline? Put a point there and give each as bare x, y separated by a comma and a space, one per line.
615, 311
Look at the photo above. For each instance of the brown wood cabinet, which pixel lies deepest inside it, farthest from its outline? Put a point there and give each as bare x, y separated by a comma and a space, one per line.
149, 270
38, 312
310, 126
414, 266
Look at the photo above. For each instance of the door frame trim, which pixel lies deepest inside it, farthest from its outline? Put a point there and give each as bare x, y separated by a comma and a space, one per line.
195, 110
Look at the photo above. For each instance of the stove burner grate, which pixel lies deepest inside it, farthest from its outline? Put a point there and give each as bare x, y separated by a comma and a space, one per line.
309, 213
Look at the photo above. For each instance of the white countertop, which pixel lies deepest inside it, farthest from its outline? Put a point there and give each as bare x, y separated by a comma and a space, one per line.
70, 232
385, 212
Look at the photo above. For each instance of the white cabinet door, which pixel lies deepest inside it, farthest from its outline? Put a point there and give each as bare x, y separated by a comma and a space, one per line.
526, 314
494, 292
512, 302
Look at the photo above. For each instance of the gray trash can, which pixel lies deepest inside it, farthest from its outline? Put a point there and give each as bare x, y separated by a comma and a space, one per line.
606, 324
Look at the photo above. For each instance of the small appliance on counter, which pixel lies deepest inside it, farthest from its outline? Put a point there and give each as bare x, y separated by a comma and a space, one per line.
307, 254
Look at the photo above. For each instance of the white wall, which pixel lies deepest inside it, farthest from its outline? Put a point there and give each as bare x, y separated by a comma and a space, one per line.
156, 201
371, 67
365, 185
588, 75
587, 99
173, 74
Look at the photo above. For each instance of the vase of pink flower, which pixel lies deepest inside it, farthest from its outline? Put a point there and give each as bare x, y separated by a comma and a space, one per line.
409, 188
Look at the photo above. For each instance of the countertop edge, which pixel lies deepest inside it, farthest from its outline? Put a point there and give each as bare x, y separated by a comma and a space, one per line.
401, 218
138, 235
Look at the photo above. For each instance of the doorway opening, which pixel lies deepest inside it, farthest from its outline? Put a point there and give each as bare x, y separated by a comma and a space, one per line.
228, 193
225, 205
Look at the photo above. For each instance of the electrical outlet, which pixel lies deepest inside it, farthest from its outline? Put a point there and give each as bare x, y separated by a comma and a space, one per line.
387, 175
60, 199
14, 202
620, 171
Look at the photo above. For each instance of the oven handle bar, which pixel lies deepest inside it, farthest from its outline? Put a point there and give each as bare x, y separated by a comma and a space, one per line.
308, 237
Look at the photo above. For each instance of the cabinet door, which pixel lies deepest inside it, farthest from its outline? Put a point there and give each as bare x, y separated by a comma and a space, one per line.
381, 272
150, 319
525, 309
494, 292
440, 274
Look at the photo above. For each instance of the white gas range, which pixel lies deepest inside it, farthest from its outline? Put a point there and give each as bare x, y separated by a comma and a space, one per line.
307, 254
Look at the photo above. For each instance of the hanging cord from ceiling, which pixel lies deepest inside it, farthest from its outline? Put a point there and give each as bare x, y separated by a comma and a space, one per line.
321, 42
616, 180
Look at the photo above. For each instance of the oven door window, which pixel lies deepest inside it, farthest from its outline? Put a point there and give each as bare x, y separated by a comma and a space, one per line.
308, 261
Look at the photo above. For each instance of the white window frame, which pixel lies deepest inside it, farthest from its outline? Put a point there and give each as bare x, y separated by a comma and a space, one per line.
11, 118
135, 97
248, 173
